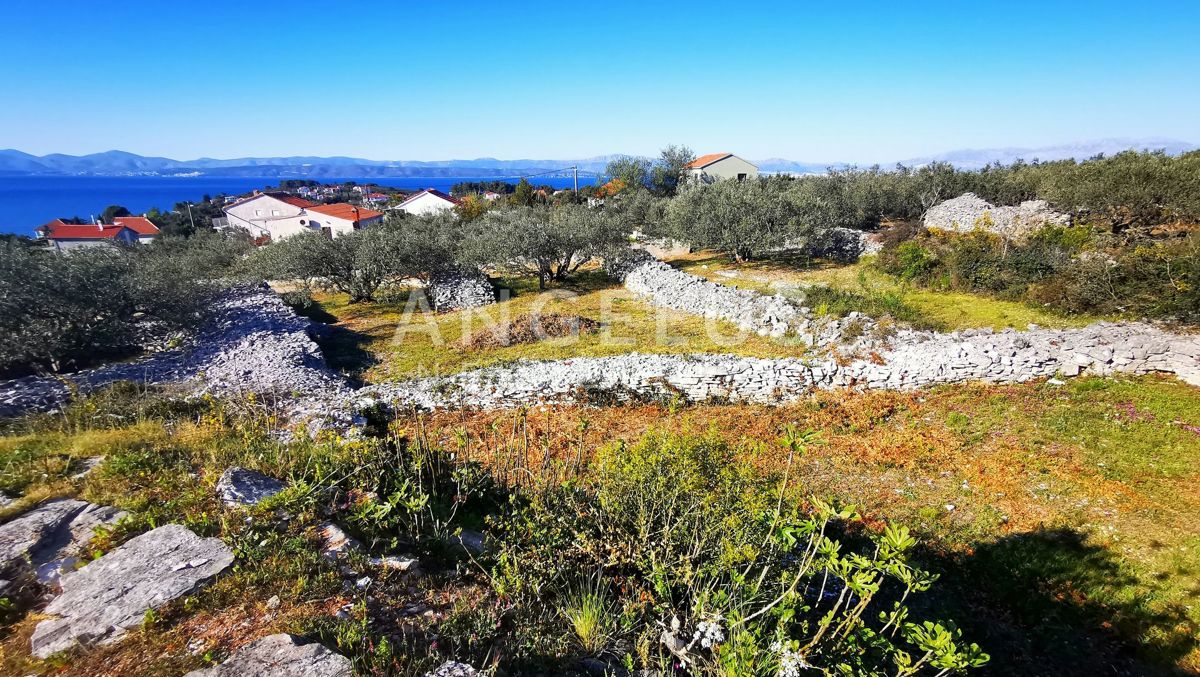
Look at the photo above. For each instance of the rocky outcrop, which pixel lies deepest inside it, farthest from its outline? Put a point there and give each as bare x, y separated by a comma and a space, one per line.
460, 290
969, 211
103, 600
280, 655
47, 541
252, 342
241, 487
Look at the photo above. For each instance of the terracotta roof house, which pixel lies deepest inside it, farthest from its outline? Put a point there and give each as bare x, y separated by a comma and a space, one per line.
276, 215
717, 166
428, 201
145, 229
341, 218
65, 236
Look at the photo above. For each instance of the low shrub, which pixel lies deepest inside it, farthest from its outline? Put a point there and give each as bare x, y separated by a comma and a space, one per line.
714, 569
1073, 270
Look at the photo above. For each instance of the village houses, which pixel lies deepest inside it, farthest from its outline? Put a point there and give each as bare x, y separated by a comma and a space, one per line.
64, 236
278, 215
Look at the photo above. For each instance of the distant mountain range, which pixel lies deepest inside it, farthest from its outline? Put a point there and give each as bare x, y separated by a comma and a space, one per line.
974, 159
120, 163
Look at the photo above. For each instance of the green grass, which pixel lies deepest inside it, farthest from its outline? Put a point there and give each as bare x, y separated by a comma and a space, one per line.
935, 309
383, 342
590, 615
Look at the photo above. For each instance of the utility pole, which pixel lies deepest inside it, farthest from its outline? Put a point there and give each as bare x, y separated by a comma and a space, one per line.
190, 219
576, 172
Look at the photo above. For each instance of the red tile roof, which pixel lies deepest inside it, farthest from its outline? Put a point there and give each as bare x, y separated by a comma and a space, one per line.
282, 197
138, 224
345, 211
434, 192
49, 227
292, 200
706, 160
84, 231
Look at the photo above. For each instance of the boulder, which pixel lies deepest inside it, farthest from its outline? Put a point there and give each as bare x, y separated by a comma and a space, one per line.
280, 655
241, 487
104, 599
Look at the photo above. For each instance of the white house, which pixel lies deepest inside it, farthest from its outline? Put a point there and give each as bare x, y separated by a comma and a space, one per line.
717, 166
67, 236
340, 218
280, 215
428, 201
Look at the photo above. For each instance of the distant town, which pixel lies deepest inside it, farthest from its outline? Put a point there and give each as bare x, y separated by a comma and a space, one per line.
299, 205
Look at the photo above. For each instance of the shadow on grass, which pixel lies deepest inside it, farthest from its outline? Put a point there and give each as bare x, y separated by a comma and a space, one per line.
344, 349
1050, 603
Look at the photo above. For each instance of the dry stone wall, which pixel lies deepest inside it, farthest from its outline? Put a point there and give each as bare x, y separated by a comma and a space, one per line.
256, 343
777, 316
904, 359
1003, 357
969, 211
460, 290
253, 342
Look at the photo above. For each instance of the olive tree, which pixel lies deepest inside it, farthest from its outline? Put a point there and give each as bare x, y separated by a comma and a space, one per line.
62, 311
745, 219
551, 243
356, 264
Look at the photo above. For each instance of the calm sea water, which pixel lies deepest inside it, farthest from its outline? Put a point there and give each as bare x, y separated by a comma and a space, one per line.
27, 202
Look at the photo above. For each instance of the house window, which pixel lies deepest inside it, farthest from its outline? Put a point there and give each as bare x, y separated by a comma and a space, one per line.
741, 177
302, 222
327, 232
275, 212
258, 212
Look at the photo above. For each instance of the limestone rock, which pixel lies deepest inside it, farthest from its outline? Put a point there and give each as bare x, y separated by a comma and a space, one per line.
50, 538
104, 599
453, 669
460, 290
251, 342
969, 211
241, 487
336, 542
280, 655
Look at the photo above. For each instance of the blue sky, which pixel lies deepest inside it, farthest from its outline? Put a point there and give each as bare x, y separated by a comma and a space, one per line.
810, 81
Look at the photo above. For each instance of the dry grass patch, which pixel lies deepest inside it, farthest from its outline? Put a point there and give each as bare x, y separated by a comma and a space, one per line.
529, 328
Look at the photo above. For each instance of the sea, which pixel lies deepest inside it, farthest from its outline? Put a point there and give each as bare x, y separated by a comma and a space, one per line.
27, 202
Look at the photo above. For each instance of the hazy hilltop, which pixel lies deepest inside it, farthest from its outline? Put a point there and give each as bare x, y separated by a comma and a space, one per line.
121, 163
975, 158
